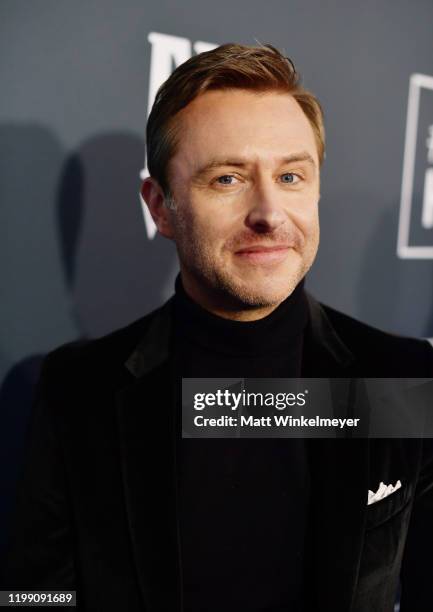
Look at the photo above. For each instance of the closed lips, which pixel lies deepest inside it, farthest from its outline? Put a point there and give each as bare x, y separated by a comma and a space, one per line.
256, 249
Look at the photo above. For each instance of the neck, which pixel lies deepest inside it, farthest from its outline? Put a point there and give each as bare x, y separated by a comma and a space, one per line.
224, 306
280, 330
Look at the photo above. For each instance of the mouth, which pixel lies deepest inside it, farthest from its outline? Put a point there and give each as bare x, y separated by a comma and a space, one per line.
263, 255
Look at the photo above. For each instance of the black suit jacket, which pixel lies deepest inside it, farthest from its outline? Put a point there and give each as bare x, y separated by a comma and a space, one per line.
96, 510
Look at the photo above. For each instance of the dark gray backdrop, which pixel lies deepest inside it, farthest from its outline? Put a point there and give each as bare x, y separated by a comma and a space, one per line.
75, 258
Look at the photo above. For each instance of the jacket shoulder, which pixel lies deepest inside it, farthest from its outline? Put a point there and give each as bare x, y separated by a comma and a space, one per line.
371, 345
106, 354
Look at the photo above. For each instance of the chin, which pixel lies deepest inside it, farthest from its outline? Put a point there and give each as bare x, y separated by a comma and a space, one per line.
262, 294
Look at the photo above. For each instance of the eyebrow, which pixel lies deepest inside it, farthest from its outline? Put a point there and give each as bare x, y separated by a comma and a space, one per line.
302, 156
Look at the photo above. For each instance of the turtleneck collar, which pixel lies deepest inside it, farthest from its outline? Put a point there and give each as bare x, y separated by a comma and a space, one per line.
274, 332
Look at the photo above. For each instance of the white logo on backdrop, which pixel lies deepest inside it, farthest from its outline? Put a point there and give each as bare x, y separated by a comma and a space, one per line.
419, 130
167, 52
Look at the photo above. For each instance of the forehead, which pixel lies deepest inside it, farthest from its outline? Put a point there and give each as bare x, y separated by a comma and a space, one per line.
260, 127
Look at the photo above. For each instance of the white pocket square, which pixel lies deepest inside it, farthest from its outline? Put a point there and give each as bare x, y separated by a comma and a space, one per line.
382, 492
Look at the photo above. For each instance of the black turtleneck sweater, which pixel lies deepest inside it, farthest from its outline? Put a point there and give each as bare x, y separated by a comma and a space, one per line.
243, 502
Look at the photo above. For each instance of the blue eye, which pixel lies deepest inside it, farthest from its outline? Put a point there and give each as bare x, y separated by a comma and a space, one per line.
290, 176
225, 179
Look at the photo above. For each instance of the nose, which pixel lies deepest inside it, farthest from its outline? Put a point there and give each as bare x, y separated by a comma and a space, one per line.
266, 212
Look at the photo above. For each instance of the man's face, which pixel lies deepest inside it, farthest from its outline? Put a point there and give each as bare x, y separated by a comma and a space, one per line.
245, 182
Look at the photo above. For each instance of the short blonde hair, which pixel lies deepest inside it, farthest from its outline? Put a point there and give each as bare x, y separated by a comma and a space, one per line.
230, 66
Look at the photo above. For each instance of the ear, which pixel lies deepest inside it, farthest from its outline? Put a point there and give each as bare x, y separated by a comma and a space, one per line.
153, 195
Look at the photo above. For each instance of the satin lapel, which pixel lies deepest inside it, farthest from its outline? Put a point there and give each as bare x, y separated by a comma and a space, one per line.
338, 510
146, 418
145, 413
325, 354
339, 472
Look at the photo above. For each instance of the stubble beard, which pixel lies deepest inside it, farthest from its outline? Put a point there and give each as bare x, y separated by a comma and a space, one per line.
211, 275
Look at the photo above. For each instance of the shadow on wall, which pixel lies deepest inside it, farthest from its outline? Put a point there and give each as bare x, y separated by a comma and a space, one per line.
82, 253
115, 273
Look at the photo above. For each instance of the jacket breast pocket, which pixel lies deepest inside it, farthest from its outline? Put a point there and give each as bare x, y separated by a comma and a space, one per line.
385, 509
386, 527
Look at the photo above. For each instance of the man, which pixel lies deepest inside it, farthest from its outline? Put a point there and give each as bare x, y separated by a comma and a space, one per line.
113, 502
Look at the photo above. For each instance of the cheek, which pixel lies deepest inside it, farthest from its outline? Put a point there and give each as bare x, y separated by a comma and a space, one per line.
210, 226
196, 232
306, 212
